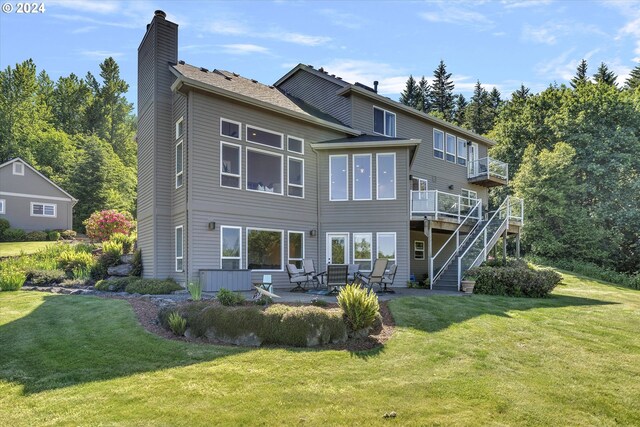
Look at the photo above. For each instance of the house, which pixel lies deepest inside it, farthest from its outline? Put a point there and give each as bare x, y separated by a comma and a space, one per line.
238, 175
31, 201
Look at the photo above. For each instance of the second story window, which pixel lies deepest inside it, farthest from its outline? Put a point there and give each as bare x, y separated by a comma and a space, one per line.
338, 177
386, 176
295, 144
438, 144
179, 127
384, 122
362, 177
179, 165
229, 165
230, 129
264, 171
264, 137
462, 152
451, 148
295, 177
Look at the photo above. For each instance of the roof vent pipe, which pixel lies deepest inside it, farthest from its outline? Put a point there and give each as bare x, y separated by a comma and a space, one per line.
375, 86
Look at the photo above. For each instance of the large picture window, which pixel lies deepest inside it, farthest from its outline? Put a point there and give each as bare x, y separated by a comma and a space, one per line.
179, 164
296, 248
384, 122
362, 250
264, 137
386, 176
451, 148
230, 129
295, 175
231, 252
386, 246
179, 249
438, 144
338, 173
43, 209
230, 169
362, 177
462, 151
264, 249
264, 171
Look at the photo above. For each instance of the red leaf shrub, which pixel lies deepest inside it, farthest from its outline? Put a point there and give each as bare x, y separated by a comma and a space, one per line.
101, 225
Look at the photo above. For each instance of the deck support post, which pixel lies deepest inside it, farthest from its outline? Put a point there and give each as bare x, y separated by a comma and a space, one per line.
518, 245
429, 251
504, 247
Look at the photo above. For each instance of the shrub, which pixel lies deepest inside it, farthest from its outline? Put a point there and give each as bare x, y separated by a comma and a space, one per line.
114, 285
195, 290
360, 307
229, 298
36, 236
319, 302
11, 279
45, 277
14, 235
4, 225
68, 234
518, 281
111, 253
136, 263
127, 242
101, 225
81, 273
53, 236
177, 323
263, 300
72, 259
152, 286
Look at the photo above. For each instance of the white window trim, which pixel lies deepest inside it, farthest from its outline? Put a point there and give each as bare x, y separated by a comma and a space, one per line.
395, 241
180, 120
384, 122
353, 177
239, 138
175, 248
295, 185
353, 244
3, 206
281, 247
246, 179
471, 201
444, 143
301, 144
181, 173
426, 181
55, 209
462, 155
15, 169
222, 257
268, 131
222, 173
415, 249
446, 151
395, 182
289, 233
346, 156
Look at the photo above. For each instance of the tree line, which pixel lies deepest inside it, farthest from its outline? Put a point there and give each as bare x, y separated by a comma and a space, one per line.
79, 132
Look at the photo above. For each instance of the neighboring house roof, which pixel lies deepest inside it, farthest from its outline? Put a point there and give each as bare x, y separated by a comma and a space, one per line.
253, 92
36, 171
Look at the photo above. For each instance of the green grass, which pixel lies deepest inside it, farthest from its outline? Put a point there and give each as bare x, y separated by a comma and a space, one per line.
571, 359
16, 248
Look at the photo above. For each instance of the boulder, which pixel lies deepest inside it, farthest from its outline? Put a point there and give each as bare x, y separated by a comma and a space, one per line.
126, 258
120, 270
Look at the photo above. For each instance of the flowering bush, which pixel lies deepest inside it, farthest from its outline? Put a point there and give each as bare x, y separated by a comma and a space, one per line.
101, 225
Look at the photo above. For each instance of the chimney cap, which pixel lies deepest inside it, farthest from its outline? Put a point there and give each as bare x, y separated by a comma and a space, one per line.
160, 14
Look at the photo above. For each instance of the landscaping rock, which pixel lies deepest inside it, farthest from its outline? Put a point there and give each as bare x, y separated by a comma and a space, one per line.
126, 259
247, 340
120, 270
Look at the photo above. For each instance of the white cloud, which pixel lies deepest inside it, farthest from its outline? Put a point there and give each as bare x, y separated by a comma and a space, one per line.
83, 30
631, 11
564, 66
243, 49
342, 19
391, 80
455, 13
228, 27
100, 54
236, 28
550, 32
519, 4
538, 35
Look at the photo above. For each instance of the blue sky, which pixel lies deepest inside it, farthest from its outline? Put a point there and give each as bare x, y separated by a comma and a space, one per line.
501, 43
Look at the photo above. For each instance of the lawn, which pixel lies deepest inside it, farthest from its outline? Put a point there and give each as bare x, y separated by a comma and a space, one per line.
15, 248
571, 359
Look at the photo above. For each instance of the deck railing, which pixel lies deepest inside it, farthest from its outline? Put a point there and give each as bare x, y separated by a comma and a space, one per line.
442, 205
488, 167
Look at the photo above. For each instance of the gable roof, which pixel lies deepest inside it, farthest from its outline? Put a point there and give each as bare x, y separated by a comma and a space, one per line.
41, 175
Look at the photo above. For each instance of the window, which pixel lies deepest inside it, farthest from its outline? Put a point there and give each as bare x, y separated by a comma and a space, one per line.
362, 250
230, 128
264, 249
387, 246
264, 171
462, 152
468, 198
18, 168
419, 184
179, 247
362, 177
418, 249
384, 122
295, 144
229, 165
386, 176
451, 148
438, 144
179, 127
3, 206
338, 173
296, 177
264, 137
296, 248
43, 209
231, 248
179, 164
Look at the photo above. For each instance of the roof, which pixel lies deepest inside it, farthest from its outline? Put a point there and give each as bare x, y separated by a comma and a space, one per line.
365, 141
34, 169
251, 91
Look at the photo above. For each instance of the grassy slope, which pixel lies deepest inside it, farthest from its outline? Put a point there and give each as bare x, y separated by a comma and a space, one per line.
573, 359
15, 248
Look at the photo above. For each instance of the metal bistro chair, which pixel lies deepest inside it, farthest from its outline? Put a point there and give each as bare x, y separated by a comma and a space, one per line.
336, 277
309, 269
388, 278
377, 274
297, 278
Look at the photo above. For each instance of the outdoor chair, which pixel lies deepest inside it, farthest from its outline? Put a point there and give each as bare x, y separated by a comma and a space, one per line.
336, 277
377, 274
309, 269
352, 272
297, 278
388, 278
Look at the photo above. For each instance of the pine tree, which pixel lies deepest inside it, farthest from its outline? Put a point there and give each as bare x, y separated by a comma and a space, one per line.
581, 75
411, 94
460, 109
521, 94
443, 92
605, 76
424, 102
479, 117
633, 81
70, 101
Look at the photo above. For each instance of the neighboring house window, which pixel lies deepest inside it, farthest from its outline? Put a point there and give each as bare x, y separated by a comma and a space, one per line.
264, 249
384, 122
179, 249
462, 152
231, 253
418, 249
18, 168
264, 171
362, 250
179, 127
295, 175
295, 144
469, 198
438, 144
264, 137
230, 128
229, 165
338, 177
386, 176
3, 206
179, 164
296, 248
387, 246
451, 148
419, 184
362, 177
43, 209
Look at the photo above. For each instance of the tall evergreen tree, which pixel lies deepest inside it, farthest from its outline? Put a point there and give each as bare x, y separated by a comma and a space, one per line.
411, 94
521, 93
605, 76
70, 101
424, 102
633, 81
443, 92
581, 75
460, 110
479, 117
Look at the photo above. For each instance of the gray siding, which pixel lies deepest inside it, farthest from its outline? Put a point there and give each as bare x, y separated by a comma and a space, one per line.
421, 267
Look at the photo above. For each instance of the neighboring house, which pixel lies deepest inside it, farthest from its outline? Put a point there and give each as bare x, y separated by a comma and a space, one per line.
234, 174
31, 201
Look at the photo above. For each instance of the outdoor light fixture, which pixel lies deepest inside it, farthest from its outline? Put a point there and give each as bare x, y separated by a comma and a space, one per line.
313, 233
212, 226
451, 187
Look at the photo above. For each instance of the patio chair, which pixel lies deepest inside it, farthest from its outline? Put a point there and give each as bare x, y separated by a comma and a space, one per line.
388, 278
336, 277
309, 269
376, 275
352, 272
297, 278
